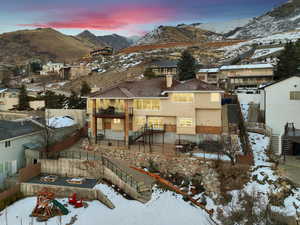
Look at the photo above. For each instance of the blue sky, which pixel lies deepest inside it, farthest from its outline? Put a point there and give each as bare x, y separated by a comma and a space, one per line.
125, 17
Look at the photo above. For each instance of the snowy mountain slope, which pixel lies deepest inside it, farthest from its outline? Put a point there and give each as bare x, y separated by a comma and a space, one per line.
281, 19
167, 34
224, 27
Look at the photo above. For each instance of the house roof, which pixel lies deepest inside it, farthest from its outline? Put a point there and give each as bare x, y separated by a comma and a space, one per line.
12, 129
165, 63
211, 70
152, 88
276, 82
247, 66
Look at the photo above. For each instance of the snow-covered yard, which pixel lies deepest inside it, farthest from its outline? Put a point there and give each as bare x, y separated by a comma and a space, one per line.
60, 122
163, 209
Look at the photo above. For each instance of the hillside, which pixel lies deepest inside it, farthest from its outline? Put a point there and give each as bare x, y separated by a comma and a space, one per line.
281, 19
167, 34
116, 41
45, 44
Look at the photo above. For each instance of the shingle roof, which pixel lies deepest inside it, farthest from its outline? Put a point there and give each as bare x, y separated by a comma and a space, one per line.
11, 129
152, 88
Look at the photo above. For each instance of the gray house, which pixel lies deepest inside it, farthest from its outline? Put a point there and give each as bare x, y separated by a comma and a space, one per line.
14, 136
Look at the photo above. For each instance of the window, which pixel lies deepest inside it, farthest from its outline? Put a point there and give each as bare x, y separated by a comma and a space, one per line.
7, 144
295, 95
186, 122
183, 97
147, 104
156, 122
117, 121
215, 97
140, 121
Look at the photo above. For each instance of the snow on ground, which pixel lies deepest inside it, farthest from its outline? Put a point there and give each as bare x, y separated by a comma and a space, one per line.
163, 209
245, 110
211, 156
265, 52
60, 122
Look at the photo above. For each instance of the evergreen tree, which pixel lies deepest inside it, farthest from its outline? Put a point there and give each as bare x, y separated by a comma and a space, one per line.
23, 99
186, 66
289, 61
85, 89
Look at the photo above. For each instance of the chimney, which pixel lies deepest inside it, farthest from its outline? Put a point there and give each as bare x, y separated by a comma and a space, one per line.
169, 80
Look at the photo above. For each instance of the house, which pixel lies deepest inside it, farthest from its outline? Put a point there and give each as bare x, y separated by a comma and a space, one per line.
14, 136
281, 105
208, 75
9, 99
250, 75
189, 110
51, 68
164, 67
74, 72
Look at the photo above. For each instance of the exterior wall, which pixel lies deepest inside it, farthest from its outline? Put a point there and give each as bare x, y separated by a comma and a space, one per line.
246, 72
37, 104
164, 71
77, 114
279, 108
8, 100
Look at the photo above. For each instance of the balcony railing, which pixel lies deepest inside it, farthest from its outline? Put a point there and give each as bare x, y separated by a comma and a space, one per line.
112, 112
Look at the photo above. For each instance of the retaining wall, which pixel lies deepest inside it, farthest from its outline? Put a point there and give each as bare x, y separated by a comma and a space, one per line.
63, 192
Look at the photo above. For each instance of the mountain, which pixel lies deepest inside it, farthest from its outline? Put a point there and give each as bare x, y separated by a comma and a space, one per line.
284, 18
116, 41
45, 44
223, 27
186, 33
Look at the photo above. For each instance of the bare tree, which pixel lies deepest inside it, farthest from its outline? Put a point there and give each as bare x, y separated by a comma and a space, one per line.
231, 147
47, 134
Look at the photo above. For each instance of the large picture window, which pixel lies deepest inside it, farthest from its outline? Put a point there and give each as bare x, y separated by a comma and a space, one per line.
147, 104
156, 122
295, 95
182, 97
185, 122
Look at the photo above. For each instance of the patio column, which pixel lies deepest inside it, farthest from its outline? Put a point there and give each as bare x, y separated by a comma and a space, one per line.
94, 119
126, 123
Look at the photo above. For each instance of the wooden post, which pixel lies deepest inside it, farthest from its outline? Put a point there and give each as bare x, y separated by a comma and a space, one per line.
94, 120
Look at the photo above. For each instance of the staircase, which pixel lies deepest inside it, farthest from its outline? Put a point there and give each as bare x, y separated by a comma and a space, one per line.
145, 131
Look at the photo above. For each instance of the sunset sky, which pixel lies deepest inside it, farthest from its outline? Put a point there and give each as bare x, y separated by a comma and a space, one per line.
125, 17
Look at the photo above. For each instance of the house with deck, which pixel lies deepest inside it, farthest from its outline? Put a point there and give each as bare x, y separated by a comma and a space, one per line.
280, 103
163, 107
208, 75
163, 67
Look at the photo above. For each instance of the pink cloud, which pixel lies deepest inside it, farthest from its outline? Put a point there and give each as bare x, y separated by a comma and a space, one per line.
111, 19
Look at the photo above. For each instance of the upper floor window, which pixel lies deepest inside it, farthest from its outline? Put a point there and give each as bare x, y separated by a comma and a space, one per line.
182, 97
295, 95
147, 104
7, 144
215, 97
186, 122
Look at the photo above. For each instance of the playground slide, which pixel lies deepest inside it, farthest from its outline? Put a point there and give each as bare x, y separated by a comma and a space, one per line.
63, 209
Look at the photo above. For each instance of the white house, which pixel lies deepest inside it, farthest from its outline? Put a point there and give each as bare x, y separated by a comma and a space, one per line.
51, 67
281, 105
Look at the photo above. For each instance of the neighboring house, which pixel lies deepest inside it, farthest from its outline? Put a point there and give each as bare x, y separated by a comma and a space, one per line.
51, 68
9, 98
164, 67
250, 75
189, 110
74, 72
238, 76
208, 75
281, 106
14, 136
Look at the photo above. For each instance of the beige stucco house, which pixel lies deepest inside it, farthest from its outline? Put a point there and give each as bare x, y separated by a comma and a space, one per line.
189, 110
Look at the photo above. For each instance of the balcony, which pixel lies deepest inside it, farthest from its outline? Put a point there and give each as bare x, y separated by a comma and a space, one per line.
112, 113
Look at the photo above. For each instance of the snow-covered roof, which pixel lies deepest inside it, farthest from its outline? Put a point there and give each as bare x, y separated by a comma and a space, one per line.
247, 66
211, 70
60, 122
